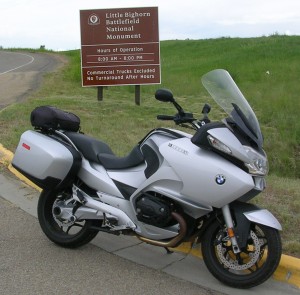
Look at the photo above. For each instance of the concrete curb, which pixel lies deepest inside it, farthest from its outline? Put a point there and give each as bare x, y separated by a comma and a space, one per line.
288, 270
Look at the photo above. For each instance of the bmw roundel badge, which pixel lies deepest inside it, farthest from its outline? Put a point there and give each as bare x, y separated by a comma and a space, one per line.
220, 179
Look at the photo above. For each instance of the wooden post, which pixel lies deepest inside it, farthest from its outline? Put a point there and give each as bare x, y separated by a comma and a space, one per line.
138, 94
100, 93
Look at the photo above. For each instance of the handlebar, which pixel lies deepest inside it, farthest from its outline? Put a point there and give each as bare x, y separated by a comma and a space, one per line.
182, 117
165, 117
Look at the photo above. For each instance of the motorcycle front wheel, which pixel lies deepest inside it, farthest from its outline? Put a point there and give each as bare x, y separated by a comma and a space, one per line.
254, 265
69, 234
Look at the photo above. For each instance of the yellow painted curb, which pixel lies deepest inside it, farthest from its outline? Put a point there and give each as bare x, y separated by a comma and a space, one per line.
288, 270
6, 157
23, 178
188, 248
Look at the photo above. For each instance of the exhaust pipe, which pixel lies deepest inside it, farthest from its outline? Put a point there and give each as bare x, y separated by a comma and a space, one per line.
173, 242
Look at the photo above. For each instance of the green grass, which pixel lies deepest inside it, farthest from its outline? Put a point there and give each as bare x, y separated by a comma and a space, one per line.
119, 122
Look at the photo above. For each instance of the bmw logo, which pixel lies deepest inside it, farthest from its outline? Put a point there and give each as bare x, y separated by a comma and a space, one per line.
220, 179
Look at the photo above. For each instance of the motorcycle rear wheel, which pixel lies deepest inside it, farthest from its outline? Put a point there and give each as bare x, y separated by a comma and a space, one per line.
70, 235
254, 265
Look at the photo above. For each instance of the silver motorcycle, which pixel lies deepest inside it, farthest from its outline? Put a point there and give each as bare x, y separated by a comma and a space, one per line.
171, 188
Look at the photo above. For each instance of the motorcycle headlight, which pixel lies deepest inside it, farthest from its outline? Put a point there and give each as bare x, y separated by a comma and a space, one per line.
258, 163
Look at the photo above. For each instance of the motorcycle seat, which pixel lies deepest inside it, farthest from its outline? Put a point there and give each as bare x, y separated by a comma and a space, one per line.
98, 151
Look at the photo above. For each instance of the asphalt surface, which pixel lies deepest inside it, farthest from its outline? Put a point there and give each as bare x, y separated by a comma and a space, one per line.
22, 73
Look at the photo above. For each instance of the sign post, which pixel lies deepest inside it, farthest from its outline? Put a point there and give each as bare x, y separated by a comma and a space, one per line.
120, 47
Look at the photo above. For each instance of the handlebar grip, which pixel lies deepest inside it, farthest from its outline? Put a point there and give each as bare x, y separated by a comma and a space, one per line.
165, 117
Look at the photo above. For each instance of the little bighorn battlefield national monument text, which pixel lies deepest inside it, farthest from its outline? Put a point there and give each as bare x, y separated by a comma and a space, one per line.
120, 46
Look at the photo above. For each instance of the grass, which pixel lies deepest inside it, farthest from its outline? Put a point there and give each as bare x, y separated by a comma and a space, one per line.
266, 69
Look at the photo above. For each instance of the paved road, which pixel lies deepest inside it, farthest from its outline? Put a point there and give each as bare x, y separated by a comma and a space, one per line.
21, 74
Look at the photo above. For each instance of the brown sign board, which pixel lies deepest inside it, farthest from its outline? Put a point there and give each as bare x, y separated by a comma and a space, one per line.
120, 46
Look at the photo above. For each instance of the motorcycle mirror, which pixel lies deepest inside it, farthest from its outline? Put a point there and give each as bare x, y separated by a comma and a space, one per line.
164, 95
206, 109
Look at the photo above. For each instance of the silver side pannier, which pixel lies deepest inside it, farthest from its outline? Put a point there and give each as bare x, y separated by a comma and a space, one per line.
47, 161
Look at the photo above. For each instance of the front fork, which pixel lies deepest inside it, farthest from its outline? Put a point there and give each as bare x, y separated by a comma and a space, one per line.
229, 225
245, 214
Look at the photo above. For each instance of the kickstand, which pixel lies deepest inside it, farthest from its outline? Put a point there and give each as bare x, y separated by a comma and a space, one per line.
168, 250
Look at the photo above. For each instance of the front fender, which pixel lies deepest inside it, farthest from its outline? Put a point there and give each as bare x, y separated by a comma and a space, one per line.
254, 214
263, 216
245, 214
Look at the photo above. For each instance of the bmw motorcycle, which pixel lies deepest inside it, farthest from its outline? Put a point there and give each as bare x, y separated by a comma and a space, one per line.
171, 188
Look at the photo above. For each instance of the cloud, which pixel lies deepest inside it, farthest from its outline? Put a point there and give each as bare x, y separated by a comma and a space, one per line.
55, 23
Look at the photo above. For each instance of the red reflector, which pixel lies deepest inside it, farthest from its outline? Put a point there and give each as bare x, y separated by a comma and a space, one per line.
26, 146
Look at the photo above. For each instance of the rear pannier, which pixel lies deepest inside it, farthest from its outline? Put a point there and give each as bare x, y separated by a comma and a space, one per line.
47, 161
49, 117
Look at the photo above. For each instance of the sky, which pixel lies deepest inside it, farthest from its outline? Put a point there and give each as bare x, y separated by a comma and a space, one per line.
55, 23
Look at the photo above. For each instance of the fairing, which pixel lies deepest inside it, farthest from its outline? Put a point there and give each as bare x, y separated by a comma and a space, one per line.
227, 95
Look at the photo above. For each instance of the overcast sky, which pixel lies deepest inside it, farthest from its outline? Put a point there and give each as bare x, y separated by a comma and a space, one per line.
55, 23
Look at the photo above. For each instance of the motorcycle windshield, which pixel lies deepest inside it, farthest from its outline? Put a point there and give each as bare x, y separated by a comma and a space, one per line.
227, 95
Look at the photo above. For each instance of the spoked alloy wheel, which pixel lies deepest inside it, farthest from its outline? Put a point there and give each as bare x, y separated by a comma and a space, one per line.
254, 265
64, 232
